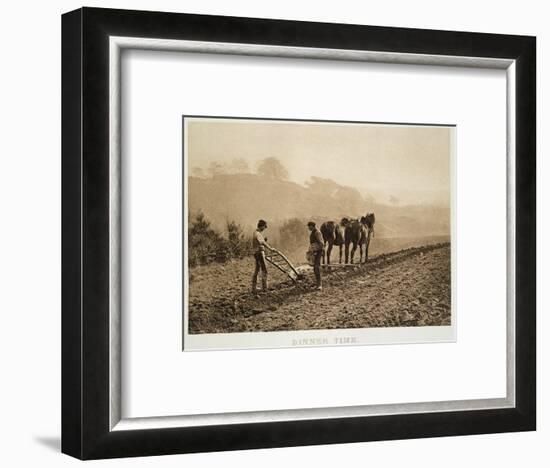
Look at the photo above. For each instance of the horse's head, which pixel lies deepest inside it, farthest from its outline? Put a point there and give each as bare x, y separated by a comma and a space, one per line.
369, 220
344, 222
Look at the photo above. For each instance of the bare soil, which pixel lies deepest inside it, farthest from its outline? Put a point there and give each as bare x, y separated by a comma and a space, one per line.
404, 288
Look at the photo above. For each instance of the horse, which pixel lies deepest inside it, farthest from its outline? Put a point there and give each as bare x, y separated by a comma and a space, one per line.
358, 232
368, 221
332, 235
354, 235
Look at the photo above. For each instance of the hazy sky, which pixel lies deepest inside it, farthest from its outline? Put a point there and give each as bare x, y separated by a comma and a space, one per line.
409, 162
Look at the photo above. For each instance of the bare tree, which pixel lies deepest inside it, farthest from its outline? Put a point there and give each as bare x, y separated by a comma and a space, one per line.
216, 168
272, 168
197, 172
320, 185
239, 166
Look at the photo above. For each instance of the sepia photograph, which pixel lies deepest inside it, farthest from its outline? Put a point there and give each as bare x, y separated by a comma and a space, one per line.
311, 233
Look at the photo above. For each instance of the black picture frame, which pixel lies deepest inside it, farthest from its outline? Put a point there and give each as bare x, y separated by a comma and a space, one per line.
86, 430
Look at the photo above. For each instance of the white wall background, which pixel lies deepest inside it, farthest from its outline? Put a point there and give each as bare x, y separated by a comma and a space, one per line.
31, 215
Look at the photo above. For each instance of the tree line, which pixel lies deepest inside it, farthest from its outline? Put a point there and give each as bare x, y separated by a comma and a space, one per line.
207, 244
268, 167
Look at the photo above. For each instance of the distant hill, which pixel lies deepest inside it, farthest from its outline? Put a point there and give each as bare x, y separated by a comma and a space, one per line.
245, 198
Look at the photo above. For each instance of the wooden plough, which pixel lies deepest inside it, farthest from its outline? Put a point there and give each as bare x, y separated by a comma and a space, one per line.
278, 260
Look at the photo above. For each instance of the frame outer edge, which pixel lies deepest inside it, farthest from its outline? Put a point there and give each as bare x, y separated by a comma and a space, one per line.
85, 353
71, 252
95, 183
526, 237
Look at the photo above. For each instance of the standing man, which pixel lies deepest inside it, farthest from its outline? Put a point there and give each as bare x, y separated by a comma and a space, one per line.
316, 250
260, 244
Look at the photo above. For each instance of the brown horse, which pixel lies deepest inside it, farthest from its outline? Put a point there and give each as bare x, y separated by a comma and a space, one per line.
332, 235
368, 221
358, 232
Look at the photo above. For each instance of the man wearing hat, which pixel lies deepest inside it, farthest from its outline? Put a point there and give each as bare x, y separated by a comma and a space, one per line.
259, 244
316, 250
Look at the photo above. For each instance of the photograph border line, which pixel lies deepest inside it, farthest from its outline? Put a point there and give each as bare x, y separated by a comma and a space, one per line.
285, 339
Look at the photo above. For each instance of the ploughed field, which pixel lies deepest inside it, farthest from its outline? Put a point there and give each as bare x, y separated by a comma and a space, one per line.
405, 283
